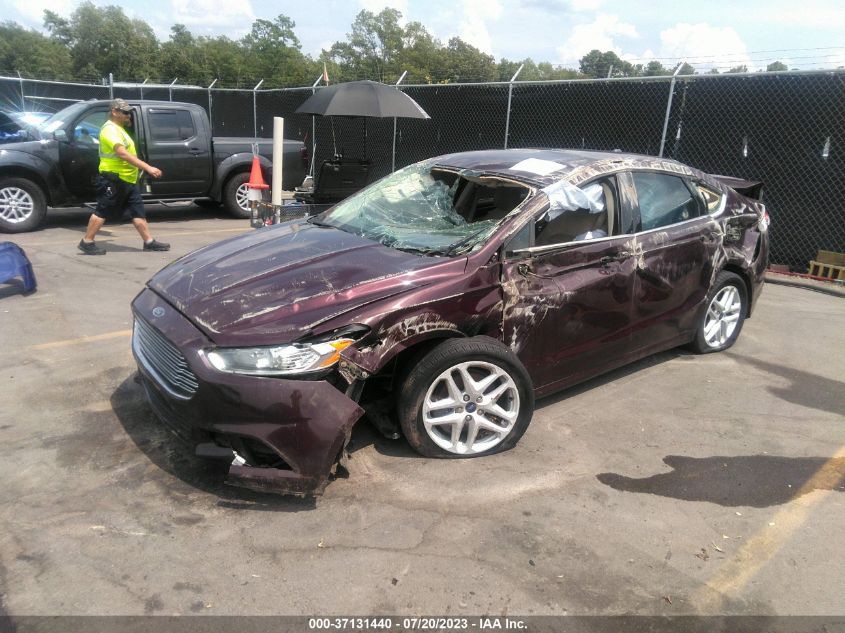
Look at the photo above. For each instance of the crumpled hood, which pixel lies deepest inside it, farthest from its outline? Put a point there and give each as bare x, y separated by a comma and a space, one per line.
276, 284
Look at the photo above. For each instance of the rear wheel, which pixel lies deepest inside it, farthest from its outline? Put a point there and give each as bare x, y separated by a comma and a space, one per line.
23, 206
727, 305
235, 195
466, 398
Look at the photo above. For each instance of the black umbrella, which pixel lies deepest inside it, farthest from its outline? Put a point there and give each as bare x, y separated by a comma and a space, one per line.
362, 98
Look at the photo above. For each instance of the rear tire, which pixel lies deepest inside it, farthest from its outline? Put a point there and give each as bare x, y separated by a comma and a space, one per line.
726, 307
235, 196
23, 205
466, 398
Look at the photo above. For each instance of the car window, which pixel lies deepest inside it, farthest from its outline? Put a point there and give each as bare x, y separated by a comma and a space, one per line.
428, 209
171, 125
663, 200
86, 132
573, 225
712, 198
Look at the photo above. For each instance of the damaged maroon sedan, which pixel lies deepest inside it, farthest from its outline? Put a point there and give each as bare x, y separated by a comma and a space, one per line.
442, 300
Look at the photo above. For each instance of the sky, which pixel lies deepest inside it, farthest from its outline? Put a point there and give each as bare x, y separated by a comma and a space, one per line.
805, 34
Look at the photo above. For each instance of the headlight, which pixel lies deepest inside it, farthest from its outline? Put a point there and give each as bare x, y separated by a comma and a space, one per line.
284, 360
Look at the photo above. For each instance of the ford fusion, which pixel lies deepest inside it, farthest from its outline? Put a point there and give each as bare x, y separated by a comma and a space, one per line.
440, 302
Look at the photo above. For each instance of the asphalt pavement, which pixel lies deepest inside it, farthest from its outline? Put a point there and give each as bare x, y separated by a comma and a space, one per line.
680, 485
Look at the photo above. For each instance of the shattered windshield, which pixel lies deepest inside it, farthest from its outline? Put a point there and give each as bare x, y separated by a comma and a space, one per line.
428, 209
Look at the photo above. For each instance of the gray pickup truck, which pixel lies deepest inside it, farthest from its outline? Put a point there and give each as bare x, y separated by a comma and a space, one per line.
56, 164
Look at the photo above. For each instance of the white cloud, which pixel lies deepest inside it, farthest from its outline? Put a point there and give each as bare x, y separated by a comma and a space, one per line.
32, 11
473, 26
705, 46
211, 14
585, 5
598, 34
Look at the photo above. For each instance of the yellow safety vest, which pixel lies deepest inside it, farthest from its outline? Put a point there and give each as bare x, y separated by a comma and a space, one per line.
112, 134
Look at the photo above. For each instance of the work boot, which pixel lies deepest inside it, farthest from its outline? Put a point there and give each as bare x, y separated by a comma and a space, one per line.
91, 248
155, 245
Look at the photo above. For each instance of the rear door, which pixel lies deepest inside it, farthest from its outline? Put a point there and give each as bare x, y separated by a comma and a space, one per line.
178, 143
568, 295
676, 241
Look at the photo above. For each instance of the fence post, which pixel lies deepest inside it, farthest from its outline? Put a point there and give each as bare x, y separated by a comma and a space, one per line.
210, 120
255, 108
393, 162
170, 88
141, 87
314, 127
669, 106
23, 98
510, 96
111, 86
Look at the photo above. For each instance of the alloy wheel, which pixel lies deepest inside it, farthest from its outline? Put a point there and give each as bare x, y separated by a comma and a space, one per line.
722, 316
242, 197
16, 205
471, 407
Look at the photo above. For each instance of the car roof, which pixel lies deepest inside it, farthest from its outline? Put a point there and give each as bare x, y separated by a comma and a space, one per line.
577, 165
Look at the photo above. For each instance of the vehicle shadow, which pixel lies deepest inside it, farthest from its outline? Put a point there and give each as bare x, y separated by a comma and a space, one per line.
805, 389
174, 457
758, 481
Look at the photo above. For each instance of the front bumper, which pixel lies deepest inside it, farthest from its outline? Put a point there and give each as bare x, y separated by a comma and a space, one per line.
303, 424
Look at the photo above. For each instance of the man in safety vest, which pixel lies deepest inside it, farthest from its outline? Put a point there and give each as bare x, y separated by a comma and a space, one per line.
117, 183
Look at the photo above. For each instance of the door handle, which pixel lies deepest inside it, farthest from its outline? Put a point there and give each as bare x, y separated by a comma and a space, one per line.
194, 151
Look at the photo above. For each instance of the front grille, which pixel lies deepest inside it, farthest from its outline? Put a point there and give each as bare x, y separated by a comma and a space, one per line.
163, 360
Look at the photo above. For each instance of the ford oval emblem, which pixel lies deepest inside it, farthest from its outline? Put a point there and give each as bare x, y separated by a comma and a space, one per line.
158, 311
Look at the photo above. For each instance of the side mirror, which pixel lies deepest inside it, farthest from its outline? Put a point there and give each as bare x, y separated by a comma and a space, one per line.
60, 135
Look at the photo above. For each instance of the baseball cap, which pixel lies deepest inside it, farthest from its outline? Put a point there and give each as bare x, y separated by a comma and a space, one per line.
120, 104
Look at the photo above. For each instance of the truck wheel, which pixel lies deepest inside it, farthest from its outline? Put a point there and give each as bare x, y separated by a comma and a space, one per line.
23, 206
235, 196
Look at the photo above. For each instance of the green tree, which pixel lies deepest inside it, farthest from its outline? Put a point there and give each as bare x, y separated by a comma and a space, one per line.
106, 40
687, 69
273, 52
32, 54
372, 48
655, 69
465, 63
598, 64
739, 69
419, 54
180, 55
775, 66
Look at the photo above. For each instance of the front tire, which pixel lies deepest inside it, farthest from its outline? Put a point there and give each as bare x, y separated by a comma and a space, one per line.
23, 206
466, 398
727, 305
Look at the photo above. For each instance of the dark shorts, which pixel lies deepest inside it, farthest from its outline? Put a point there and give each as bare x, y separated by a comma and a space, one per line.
117, 198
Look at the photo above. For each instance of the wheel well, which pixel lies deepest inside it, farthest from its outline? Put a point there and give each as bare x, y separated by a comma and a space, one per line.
393, 373
733, 268
34, 176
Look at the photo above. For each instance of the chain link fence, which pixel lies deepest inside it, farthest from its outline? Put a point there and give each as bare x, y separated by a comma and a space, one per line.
786, 129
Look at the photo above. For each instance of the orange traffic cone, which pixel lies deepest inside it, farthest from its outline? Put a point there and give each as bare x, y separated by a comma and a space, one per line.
256, 180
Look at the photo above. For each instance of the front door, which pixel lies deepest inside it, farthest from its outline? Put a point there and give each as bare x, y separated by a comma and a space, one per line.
568, 299
80, 155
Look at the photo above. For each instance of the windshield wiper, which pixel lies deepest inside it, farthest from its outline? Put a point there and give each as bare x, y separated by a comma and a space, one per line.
421, 251
313, 220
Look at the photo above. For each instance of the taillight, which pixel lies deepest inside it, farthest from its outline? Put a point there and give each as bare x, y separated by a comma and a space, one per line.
764, 222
